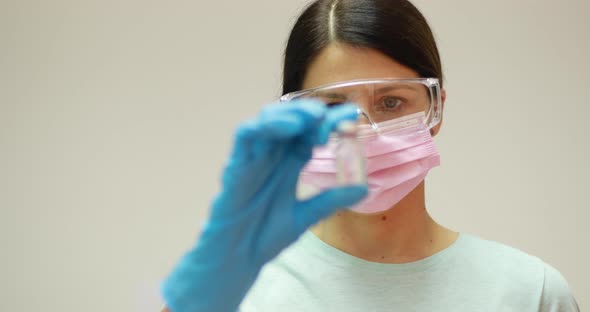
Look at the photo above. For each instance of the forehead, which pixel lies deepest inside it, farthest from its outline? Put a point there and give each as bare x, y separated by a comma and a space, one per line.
340, 62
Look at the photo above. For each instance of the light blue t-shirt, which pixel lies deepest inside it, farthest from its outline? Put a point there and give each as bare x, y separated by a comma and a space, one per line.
471, 275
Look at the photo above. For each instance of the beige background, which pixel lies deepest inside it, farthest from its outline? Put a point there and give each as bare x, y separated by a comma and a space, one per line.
115, 119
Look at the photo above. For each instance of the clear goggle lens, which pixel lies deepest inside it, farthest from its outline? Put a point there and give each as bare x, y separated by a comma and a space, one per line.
382, 100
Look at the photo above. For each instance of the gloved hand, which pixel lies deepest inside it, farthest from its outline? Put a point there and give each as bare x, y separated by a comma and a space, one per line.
257, 214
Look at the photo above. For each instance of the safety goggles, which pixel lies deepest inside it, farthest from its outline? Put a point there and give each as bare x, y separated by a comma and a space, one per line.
382, 100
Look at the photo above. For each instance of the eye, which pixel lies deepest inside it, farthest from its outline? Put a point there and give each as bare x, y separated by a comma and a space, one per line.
334, 103
391, 103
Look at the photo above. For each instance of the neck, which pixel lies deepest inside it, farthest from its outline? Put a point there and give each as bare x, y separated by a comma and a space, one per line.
404, 233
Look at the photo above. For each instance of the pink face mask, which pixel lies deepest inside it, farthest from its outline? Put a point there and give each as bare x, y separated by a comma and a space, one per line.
398, 156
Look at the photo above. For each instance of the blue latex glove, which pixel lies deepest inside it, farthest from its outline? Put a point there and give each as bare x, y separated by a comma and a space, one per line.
257, 214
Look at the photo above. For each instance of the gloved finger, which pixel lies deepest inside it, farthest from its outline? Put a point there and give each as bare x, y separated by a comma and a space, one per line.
266, 201
243, 178
249, 144
334, 116
249, 196
312, 210
291, 119
276, 124
243, 135
279, 122
300, 152
296, 157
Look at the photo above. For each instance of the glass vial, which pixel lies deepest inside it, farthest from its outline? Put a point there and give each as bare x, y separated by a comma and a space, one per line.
350, 158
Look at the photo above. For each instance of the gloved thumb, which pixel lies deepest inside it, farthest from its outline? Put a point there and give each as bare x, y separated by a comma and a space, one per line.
326, 203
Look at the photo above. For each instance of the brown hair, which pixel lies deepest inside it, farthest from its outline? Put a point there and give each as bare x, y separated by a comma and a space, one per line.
394, 27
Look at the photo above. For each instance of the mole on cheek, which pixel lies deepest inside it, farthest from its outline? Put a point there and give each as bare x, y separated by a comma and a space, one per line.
384, 218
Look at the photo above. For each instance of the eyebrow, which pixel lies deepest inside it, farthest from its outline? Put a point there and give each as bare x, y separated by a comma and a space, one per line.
339, 96
331, 95
402, 86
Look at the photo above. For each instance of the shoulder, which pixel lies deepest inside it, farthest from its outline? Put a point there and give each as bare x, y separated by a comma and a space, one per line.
501, 258
557, 295
522, 274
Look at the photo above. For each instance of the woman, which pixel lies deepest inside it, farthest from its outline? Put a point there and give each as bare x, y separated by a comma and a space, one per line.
385, 253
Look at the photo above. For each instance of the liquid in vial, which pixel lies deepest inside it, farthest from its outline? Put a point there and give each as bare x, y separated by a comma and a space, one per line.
350, 157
